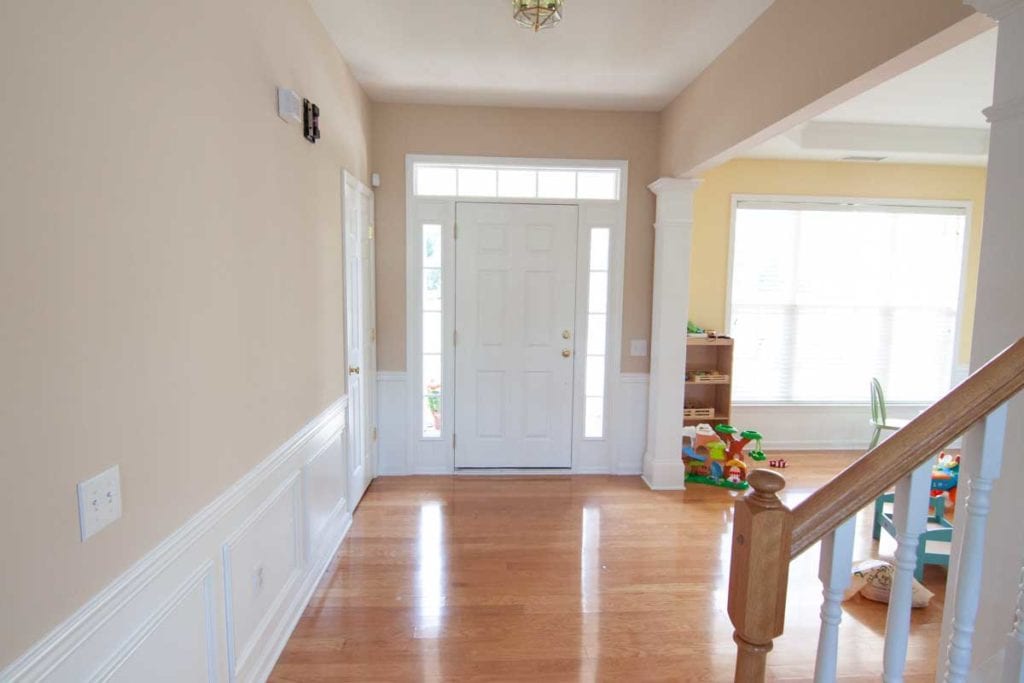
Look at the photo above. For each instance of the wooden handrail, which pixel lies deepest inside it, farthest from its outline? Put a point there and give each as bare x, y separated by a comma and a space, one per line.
859, 484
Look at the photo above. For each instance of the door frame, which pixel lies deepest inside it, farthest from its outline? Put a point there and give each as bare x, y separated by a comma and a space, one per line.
436, 455
353, 190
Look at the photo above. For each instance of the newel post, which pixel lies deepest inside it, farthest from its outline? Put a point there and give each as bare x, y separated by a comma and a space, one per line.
761, 541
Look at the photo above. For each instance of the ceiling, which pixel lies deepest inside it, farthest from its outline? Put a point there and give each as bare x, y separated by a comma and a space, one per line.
602, 56
929, 114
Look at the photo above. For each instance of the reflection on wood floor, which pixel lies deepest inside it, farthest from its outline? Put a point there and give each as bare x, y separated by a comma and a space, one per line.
569, 578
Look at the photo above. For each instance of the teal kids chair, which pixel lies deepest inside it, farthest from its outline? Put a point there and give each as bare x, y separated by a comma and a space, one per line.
879, 420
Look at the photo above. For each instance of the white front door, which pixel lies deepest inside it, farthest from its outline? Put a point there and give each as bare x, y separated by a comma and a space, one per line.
515, 269
360, 336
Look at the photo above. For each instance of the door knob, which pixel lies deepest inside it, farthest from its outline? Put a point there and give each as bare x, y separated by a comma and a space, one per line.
566, 353
353, 370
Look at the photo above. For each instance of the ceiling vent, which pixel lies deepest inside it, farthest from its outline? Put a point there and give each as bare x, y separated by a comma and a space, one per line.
863, 158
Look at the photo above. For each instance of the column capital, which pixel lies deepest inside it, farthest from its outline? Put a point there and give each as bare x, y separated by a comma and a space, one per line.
997, 9
668, 185
675, 200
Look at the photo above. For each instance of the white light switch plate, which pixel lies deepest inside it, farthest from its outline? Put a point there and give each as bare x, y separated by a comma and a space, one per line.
99, 501
637, 347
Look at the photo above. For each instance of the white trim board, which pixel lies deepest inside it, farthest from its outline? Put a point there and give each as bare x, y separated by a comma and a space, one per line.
625, 441
436, 455
167, 615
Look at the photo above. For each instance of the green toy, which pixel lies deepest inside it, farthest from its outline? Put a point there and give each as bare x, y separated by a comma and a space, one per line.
714, 456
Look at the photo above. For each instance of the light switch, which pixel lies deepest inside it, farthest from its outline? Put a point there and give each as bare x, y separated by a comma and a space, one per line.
638, 347
99, 501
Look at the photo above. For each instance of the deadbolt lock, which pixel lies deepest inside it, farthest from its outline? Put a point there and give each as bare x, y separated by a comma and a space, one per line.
353, 370
566, 334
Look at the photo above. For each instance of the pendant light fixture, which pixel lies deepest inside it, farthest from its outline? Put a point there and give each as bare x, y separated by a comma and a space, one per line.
537, 14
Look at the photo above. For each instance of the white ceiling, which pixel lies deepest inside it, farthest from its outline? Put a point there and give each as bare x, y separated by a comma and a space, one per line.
606, 54
939, 101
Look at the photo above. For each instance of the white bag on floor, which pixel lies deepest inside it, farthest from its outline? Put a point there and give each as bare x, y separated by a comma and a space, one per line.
873, 580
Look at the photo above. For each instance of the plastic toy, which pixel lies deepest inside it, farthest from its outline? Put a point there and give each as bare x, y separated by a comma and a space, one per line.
946, 476
779, 464
714, 455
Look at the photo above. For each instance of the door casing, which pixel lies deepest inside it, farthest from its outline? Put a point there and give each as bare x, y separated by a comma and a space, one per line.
436, 455
360, 334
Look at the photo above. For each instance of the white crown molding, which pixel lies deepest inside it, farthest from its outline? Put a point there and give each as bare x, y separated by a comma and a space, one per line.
997, 9
888, 139
667, 184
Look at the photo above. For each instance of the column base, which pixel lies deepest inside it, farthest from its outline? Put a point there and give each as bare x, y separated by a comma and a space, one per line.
664, 475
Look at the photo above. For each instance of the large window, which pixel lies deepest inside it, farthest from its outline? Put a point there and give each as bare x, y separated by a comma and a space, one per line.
827, 295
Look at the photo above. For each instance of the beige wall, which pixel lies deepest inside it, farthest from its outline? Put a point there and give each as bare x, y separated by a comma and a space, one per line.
170, 269
801, 58
713, 216
491, 131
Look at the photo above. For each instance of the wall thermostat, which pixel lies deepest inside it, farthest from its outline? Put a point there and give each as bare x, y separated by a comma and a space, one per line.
289, 105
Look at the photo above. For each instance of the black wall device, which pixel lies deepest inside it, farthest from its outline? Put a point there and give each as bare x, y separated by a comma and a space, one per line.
310, 121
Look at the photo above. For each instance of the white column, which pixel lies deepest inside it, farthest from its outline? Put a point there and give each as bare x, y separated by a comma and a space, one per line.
999, 321
673, 233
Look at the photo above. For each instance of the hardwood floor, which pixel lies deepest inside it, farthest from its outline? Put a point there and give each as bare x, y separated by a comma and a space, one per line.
572, 578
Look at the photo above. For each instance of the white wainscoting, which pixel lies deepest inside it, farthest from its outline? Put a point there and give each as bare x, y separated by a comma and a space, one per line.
629, 422
814, 427
823, 427
216, 600
392, 424
620, 452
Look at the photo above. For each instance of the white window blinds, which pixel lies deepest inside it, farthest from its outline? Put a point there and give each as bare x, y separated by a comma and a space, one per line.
825, 296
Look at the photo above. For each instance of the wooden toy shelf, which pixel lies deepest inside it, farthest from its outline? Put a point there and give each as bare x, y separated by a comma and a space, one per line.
708, 380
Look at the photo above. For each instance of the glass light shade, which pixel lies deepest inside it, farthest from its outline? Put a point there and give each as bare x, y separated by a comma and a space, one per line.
537, 14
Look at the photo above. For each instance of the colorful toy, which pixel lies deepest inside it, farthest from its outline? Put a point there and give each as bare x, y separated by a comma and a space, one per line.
946, 476
715, 455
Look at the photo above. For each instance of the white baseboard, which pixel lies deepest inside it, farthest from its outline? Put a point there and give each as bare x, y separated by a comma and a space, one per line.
210, 590
620, 453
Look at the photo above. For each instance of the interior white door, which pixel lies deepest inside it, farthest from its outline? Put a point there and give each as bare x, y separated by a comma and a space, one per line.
360, 338
515, 270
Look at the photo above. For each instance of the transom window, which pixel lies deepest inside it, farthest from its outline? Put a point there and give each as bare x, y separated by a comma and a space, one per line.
508, 182
827, 295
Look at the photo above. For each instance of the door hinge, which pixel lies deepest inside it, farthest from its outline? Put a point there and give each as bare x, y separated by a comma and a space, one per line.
455, 230
453, 441
373, 334
455, 337
369, 233
374, 434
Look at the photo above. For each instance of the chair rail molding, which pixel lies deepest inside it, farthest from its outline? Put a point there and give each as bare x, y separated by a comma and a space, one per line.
673, 240
177, 609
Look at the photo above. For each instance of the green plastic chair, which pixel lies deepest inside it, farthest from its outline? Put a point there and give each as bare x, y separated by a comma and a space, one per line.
879, 420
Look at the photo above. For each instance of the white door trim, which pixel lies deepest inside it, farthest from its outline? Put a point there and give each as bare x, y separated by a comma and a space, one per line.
354, 190
436, 455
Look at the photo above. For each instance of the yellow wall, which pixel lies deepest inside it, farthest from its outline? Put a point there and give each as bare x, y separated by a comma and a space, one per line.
713, 214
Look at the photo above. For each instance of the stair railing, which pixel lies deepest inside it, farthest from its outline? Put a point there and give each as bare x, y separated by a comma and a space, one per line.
767, 535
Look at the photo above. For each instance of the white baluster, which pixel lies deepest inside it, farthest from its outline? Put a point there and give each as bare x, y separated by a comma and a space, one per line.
972, 552
910, 517
1013, 665
834, 571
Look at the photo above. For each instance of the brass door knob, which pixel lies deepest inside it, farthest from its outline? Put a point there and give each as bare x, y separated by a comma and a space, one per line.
566, 353
353, 370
